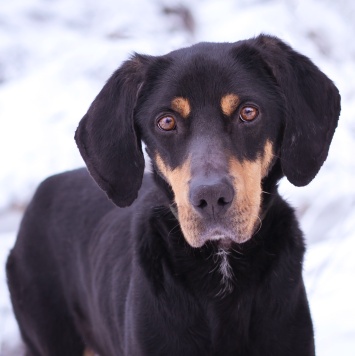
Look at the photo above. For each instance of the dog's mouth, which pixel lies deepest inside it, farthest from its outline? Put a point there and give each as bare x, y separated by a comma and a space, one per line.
237, 225
223, 235
218, 233
224, 238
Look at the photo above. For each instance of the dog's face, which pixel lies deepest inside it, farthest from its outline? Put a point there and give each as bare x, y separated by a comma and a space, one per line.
211, 125
216, 118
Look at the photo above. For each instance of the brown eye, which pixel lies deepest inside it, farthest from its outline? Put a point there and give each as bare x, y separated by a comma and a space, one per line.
167, 123
248, 113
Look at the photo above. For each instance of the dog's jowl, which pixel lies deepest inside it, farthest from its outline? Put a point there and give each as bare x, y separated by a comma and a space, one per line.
201, 256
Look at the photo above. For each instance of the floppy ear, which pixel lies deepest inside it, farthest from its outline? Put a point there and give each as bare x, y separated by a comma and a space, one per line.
313, 108
106, 136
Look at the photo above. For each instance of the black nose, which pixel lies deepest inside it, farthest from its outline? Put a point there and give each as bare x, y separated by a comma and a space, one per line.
211, 197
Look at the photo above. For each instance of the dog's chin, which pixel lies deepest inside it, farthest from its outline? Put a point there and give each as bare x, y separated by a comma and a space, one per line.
224, 238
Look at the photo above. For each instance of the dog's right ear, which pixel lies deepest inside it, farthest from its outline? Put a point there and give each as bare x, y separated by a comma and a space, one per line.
312, 104
106, 136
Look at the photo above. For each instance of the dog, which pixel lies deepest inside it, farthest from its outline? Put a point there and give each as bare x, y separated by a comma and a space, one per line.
201, 256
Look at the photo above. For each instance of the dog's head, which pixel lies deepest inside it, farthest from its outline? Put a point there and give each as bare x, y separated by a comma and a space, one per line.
217, 119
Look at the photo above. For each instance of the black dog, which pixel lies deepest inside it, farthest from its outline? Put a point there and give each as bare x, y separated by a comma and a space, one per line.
208, 259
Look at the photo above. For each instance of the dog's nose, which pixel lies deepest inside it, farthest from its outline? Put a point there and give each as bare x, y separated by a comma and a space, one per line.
212, 197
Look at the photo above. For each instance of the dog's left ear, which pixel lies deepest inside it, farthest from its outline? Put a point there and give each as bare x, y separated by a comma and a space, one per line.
313, 108
106, 136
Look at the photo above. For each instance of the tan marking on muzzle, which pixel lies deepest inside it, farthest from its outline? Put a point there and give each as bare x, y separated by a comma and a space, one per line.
182, 106
247, 176
247, 183
229, 103
266, 159
243, 214
179, 179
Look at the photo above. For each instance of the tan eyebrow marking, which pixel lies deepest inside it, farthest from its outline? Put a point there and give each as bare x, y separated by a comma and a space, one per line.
229, 103
182, 106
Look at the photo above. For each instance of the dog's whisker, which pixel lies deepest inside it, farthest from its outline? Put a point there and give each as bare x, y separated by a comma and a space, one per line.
260, 225
238, 252
214, 268
263, 191
174, 227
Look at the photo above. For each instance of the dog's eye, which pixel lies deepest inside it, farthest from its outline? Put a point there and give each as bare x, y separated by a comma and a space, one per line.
248, 113
166, 123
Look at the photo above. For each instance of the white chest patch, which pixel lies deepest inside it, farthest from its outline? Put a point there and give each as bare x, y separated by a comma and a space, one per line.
225, 269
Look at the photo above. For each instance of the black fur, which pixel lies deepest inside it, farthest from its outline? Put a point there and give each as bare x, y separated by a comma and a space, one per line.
86, 273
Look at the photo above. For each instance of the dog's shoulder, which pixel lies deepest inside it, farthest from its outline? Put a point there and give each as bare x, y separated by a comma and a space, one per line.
280, 229
64, 184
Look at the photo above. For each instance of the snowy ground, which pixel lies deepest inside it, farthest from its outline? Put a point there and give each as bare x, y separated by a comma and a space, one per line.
55, 55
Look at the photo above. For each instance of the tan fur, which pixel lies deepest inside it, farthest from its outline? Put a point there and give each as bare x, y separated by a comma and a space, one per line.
229, 103
266, 159
88, 352
247, 177
178, 179
182, 106
247, 183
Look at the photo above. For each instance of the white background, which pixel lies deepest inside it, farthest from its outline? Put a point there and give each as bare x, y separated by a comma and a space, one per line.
55, 55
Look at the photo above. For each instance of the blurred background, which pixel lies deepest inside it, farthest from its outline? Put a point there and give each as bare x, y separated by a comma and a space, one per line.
55, 55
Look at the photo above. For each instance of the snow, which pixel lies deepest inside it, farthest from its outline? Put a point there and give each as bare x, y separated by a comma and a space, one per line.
55, 55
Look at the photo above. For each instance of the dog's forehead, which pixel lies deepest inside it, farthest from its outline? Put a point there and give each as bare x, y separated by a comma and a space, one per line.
207, 50
200, 67
207, 72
